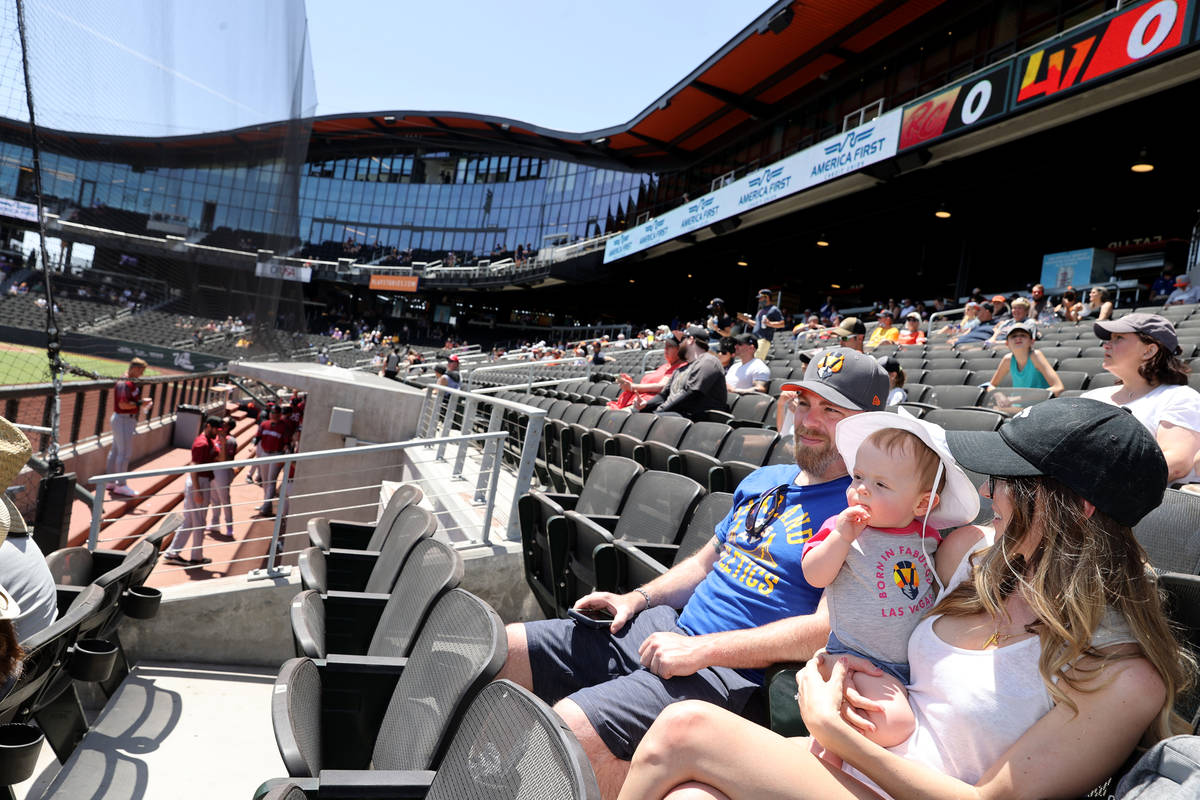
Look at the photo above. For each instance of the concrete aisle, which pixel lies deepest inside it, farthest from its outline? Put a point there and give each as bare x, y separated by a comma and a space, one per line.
173, 730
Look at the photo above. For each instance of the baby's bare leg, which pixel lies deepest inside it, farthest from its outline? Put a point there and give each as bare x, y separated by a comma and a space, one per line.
895, 723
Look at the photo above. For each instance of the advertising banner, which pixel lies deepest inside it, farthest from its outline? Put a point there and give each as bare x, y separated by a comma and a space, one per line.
1122, 41
823, 162
18, 210
272, 269
393, 283
1076, 268
976, 100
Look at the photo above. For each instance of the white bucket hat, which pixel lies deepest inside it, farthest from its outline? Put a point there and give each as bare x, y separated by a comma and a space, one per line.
14, 453
958, 503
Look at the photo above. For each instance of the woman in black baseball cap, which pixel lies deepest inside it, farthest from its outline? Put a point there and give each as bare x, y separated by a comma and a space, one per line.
1046, 660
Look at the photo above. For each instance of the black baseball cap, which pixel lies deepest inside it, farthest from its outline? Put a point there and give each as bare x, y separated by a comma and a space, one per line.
716, 301
1097, 450
698, 333
745, 338
1156, 327
765, 293
889, 363
846, 378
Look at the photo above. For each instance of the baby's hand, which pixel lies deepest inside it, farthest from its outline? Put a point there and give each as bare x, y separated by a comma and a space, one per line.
850, 523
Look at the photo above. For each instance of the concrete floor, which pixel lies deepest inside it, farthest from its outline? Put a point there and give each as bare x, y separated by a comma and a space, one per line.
173, 730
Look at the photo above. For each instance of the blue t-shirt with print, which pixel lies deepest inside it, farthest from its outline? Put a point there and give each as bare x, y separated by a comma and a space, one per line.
757, 582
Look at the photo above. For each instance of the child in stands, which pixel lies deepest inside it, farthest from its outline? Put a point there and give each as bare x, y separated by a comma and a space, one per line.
875, 558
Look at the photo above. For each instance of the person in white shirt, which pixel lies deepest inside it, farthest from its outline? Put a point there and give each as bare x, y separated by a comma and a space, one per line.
1184, 292
749, 374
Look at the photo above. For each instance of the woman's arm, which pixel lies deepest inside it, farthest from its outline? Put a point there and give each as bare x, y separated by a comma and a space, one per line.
1106, 310
1064, 754
1043, 366
954, 549
1001, 370
1179, 446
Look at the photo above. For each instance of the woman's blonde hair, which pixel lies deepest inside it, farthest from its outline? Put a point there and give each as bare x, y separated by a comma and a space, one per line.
1082, 567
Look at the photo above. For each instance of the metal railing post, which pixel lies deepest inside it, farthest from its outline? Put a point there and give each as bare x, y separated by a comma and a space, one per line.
273, 568
468, 425
533, 436
447, 424
97, 516
491, 494
491, 456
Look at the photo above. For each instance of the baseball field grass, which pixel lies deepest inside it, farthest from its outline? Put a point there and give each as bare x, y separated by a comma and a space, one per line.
21, 364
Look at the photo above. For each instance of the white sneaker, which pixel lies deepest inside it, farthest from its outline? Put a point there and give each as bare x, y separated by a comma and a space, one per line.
123, 490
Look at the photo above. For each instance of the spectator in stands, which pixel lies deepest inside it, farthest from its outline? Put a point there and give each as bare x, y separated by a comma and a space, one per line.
809, 333
719, 322
227, 445
1021, 309
128, 403
1040, 308
726, 353
885, 331
1163, 286
609, 685
700, 388
749, 374
1043, 666
895, 373
912, 333
1142, 351
827, 311
1024, 365
851, 333
970, 320
23, 570
654, 381
1184, 292
766, 321
446, 377
981, 332
205, 450
391, 364
1065, 310
1098, 307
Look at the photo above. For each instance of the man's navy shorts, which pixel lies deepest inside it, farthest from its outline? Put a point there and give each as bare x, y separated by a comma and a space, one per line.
602, 673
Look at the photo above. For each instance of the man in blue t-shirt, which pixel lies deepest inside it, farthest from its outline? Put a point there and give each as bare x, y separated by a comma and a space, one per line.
766, 321
745, 603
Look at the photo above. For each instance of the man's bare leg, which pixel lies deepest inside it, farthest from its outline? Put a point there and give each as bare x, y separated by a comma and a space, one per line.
516, 666
610, 770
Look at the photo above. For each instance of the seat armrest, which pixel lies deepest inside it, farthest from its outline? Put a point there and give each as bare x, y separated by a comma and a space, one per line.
349, 535
371, 783
746, 423
606, 521
661, 554
310, 786
718, 416
590, 526
355, 601
342, 662
565, 501
780, 685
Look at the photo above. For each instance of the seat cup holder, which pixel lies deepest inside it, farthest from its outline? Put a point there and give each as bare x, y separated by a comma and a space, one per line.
141, 602
19, 748
92, 660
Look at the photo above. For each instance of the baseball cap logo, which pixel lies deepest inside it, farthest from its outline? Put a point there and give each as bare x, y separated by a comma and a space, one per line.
875, 400
830, 364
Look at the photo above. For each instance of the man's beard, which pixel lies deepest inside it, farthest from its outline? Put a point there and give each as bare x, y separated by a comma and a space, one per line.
814, 459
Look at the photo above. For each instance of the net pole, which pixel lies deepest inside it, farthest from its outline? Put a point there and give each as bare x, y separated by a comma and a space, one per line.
53, 342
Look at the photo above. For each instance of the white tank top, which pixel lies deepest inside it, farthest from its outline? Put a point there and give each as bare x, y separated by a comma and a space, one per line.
970, 706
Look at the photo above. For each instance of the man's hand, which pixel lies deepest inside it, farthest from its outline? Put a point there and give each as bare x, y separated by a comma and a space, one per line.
624, 607
668, 655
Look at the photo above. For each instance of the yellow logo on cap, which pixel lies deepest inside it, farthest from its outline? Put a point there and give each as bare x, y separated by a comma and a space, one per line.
829, 364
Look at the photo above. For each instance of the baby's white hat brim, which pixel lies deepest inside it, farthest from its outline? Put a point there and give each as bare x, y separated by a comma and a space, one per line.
958, 502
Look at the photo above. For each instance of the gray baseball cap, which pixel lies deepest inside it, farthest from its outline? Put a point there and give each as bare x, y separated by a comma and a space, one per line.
1157, 328
846, 378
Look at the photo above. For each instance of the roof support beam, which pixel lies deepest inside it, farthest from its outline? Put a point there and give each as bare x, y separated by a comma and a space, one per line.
755, 109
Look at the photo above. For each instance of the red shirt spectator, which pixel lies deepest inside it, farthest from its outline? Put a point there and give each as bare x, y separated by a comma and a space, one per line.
205, 450
274, 434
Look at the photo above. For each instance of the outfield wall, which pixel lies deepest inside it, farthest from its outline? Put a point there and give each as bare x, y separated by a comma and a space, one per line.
155, 355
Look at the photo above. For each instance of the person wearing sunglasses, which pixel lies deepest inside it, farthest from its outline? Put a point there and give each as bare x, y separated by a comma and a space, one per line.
1046, 660
745, 604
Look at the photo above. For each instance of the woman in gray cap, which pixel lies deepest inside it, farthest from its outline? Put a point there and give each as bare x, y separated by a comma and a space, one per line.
1045, 662
1142, 351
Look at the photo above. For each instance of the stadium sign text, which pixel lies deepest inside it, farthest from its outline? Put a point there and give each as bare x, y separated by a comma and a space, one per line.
18, 210
271, 269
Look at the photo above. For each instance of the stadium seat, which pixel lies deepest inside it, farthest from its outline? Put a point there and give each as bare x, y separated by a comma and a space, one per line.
966, 419
1170, 534
943, 363
668, 430
376, 625
1009, 400
633, 432
1073, 380
917, 391
602, 496
1061, 351
367, 713
1099, 380
783, 452
366, 570
326, 533
1183, 608
621, 566
702, 437
751, 409
946, 377
1087, 365
657, 509
954, 396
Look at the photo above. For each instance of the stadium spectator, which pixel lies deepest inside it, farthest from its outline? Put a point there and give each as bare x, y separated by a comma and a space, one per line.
1020, 314
700, 388
1000, 307
1142, 351
725, 353
654, 381
970, 320
227, 446
851, 333
1163, 286
609, 685
1039, 643
982, 331
749, 374
128, 403
1065, 310
1098, 306
391, 364
445, 377
1024, 365
719, 322
23, 570
885, 331
1184, 292
912, 333
1040, 308
895, 373
766, 321
828, 311
205, 450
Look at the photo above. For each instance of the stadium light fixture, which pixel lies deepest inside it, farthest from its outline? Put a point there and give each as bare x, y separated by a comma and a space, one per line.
1142, 163
822, 241
743, 262
835, 286
942, 212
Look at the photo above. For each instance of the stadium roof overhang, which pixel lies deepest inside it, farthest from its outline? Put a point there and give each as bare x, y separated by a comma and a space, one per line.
751, 80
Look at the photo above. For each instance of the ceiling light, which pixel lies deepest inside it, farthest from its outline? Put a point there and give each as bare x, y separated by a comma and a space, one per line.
1142, 163
942, 212
743, 263
631, 280
822, 241
835, 286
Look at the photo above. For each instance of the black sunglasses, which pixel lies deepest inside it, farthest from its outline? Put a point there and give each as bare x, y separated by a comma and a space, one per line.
772, 504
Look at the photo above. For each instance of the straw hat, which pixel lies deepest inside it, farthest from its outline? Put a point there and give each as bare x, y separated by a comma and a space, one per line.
14, 453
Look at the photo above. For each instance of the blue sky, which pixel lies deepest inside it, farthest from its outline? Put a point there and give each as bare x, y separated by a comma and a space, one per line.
564, 64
